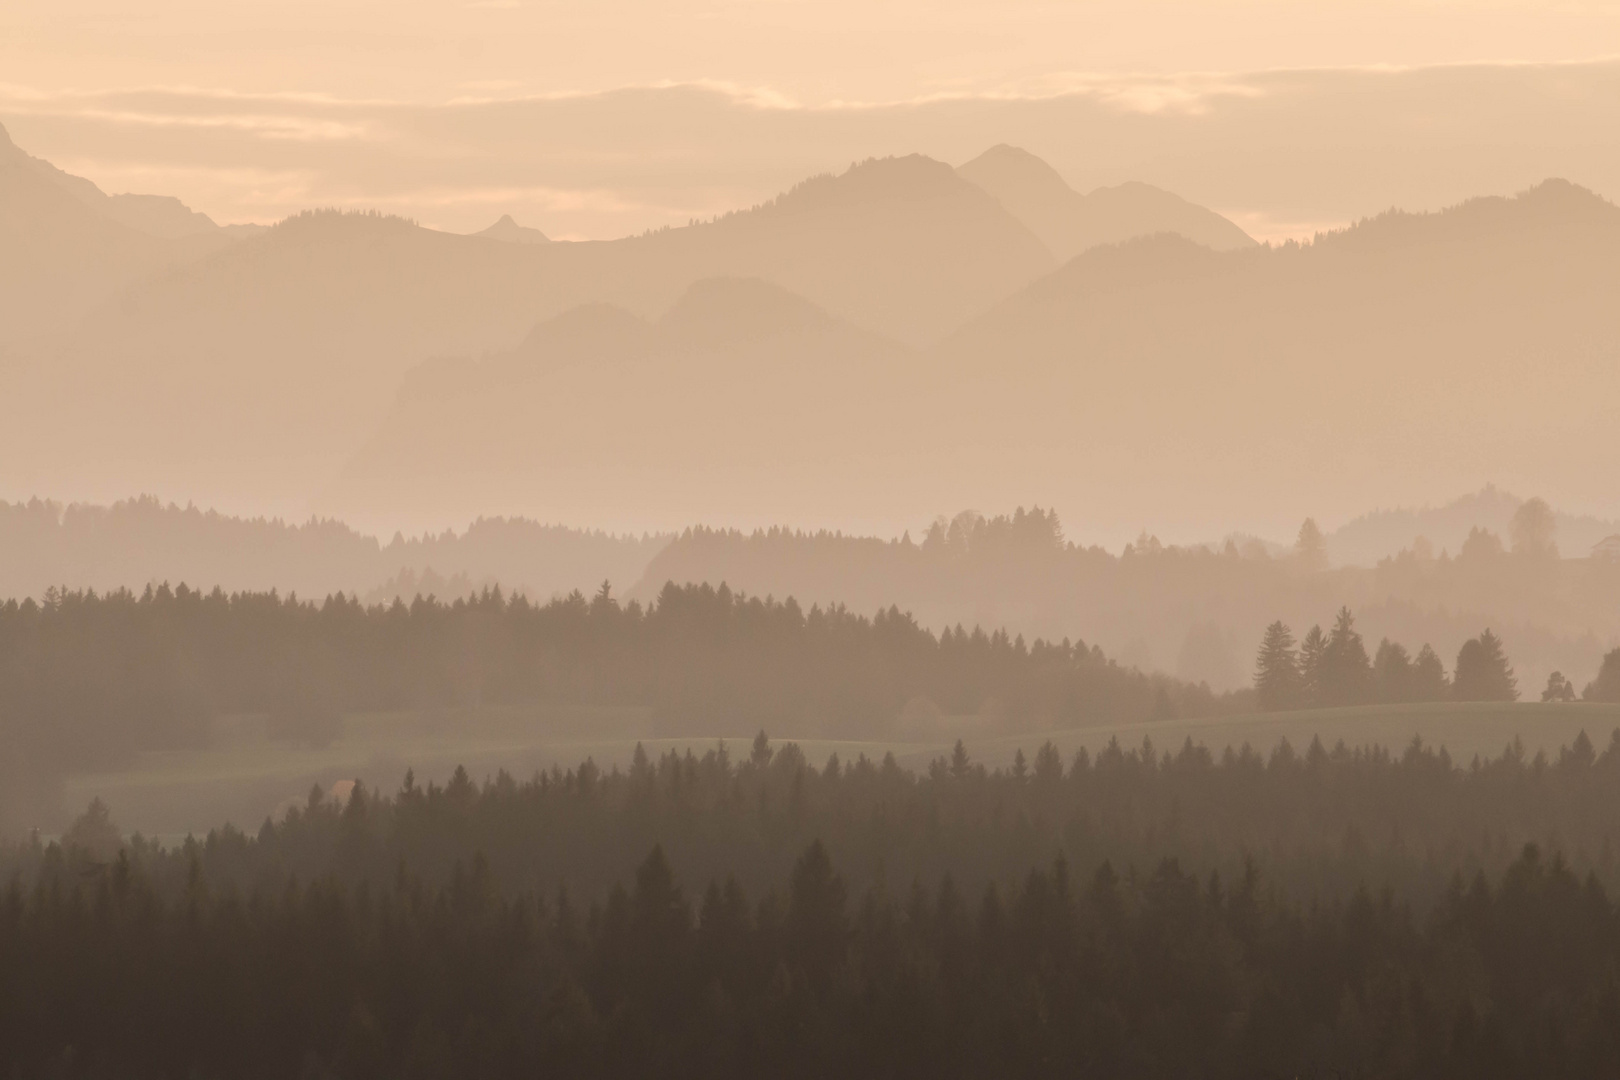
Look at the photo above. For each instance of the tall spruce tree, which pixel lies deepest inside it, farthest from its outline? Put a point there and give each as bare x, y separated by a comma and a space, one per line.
1310, 547
1345, 672
1311, 653
1428, 681
1483, 672
1606, 687
1276, 670
1392, 673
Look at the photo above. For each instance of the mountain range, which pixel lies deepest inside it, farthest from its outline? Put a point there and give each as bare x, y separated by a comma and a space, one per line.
866, 348
1157, 379
1068, 222
156, 349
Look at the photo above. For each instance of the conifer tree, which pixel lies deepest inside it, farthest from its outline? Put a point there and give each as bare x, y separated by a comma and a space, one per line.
1428, 680
1483, 672
1276, 670
1346, 673
1558, 688
1311, 652
1392, 673
1310, 548
1606, 687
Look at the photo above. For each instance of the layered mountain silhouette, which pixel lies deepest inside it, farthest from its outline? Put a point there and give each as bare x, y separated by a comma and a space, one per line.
741, 399
66, 246
903, 312
1069, 222
1406, 353
261, 365
1409, 353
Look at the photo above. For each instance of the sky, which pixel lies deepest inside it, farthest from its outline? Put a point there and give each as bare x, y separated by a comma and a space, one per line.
602, 118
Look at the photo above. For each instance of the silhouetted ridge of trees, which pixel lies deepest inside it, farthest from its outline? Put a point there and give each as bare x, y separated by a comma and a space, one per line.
1319, 821
1325, 913
135, 541
87, 678
1095, 972
1192, 608
1333, 669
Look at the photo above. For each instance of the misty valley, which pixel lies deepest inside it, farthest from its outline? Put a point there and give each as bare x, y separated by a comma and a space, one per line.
492, 654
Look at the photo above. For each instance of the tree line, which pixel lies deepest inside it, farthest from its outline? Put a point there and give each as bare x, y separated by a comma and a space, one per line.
1332, 669
87, 679
1068, 971
134, 541
1165, 599
1318, 821
1141, 911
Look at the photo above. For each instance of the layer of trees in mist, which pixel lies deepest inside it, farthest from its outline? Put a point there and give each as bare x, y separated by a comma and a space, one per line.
87, 680
1327, 670
1320, 822
141, 541
1145, 912
1192, 610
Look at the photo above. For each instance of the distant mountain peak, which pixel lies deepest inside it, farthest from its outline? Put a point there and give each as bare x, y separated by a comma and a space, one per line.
1069, 223
511, 232
1005, 170
875, 181
723, 310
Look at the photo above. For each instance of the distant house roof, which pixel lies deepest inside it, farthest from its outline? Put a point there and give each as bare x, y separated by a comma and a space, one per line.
1607, 548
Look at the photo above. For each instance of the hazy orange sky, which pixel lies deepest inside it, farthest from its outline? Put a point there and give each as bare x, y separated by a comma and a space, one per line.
596, 119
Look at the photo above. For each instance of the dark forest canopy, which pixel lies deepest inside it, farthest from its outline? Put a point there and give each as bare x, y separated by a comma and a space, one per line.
1143, 914
87, 679
1319, 822
1066, 973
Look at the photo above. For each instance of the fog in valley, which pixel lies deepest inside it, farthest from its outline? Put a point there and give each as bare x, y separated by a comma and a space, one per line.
782, 539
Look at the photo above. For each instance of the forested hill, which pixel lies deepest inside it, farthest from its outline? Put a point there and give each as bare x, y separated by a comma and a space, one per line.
87, 681
1196, 611
1316, 915
132, 543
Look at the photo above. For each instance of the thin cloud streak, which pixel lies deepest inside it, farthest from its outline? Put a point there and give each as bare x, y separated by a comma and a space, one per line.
604, 164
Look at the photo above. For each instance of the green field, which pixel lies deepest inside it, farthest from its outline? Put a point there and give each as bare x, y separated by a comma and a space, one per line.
243, 777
